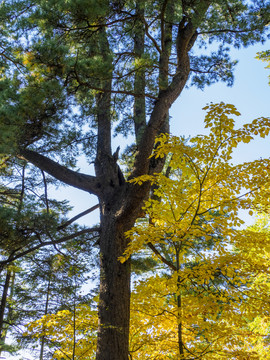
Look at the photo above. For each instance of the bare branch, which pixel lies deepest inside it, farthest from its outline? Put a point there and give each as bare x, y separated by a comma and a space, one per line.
42, 244
161, 257
83, 213
45, 191
124, 92
151, 37
226, 31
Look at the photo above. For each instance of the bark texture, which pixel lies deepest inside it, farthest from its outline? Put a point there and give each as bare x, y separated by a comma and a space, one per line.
114, 293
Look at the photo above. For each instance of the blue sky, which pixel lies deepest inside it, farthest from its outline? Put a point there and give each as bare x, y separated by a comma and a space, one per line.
250, 94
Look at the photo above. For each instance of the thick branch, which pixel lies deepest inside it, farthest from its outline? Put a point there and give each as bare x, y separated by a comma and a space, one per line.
139, 79
187, 34
103, 101
158, 118
250, 30
124, 92
78, 180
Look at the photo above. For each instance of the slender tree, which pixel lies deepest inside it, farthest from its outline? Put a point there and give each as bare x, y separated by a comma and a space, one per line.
75, 71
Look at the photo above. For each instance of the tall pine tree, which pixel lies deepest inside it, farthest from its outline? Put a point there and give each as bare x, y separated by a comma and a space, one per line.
75, 72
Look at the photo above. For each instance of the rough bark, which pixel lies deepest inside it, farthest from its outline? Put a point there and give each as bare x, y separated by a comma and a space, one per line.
114, 302
114, 295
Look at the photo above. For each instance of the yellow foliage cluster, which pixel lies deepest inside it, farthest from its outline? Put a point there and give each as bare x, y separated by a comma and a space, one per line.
216, 273
71, 333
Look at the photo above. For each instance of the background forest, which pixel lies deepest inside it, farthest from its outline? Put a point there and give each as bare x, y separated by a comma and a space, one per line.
168, 270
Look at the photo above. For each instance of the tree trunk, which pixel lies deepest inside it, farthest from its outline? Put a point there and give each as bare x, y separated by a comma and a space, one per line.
3, 308
114, 302
179, 305
41, 354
